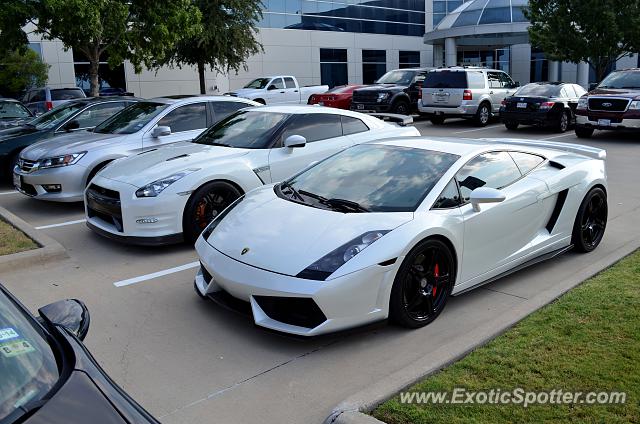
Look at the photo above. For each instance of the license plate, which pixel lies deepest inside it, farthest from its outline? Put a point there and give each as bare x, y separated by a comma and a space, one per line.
440, 97
360, 107
17, 180
521, 105
604, 122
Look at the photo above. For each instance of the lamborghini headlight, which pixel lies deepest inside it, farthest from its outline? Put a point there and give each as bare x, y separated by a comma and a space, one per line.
324, 267
58, 161
158, 186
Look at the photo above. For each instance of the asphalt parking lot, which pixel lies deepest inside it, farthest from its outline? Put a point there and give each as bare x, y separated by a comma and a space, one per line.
187, 360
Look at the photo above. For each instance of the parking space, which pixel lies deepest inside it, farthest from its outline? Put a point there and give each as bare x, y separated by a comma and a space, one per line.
187, 360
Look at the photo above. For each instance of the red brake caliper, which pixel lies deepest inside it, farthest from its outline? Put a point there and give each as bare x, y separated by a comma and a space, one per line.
436, 273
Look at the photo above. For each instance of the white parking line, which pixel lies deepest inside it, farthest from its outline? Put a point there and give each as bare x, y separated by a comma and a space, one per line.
61, 224
8, 192
477, 129
153, 275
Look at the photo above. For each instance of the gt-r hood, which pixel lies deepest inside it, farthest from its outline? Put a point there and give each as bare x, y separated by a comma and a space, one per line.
286, 237
74, 142
162, 162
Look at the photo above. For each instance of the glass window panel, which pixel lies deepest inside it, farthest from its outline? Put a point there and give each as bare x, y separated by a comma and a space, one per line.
439, 6
377, 56
277, 21
468, 17
494, 170
453, 5
518, 14
333, 55
437, 18
496, 15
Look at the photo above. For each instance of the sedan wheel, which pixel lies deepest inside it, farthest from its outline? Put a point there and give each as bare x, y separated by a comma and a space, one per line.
423, 284
205, 205
563, 123
591, 221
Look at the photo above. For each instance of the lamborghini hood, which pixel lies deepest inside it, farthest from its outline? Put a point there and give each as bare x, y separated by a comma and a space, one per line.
282, 236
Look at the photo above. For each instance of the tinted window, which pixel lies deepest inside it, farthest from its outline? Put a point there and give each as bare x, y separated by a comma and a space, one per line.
131, 119
535, 89
494, 80
397, 77
352, 125
56, 116
449, 198
494, 169
244, 129
621, 80
186, 118
66, 93
97, 114
38, 96
380, 178
525, 161
446, 79
314, 127
277, 83
223, 109
259, 83
290, 83
506, 80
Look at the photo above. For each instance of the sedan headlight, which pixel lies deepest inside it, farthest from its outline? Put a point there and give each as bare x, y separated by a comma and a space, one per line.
58, 161
582, 103
155, 188
634, 105
383, 96
324, 267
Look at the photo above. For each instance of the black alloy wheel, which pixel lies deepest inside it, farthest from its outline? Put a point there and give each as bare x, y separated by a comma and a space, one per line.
423, 284
401, 108
206, 204
591, 221
563, 122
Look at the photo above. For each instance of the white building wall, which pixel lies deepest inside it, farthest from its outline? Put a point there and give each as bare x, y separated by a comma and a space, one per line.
61, 72
521, 63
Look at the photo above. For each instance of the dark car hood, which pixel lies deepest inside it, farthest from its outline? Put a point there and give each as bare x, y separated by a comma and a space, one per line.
16, 131
382, 87
608, 92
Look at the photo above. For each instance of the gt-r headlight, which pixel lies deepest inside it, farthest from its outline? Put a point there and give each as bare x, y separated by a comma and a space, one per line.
383, 96
58, 161
324, 267
634, 105
155, 188
582, 103
213, 224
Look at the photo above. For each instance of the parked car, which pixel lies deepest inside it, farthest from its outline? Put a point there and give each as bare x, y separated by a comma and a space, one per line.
396, 92
59, 169
114, 91
391, 229
279, 89
545, 104
614, 105
13, 113
73, 116
172, 194
338, 97
464, 92
41, 100
49, 376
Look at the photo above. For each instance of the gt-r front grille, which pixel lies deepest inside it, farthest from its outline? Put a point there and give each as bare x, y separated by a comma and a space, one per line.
298, 311
606, 104
104, 204
27, 165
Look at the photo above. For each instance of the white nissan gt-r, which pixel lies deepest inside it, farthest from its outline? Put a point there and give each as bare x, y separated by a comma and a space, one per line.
171, 194
393, 228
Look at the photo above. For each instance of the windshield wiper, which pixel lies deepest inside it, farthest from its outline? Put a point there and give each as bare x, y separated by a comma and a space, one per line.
335, 203
295, 192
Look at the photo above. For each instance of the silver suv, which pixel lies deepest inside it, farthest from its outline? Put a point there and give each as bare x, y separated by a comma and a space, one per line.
464, 92
41, 100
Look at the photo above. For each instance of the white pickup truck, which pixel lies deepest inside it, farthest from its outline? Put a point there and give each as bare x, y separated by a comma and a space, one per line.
279, 89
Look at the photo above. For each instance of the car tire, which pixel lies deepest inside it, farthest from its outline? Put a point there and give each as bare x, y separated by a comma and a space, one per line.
415, 300
511, 126
437, 120
564, 122
591, 221
582, 132
204, 205
401, 107
483, 115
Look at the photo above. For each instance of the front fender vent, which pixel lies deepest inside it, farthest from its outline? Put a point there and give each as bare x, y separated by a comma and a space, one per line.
562, 197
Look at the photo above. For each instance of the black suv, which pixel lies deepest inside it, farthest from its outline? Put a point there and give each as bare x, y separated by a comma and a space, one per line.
395, 92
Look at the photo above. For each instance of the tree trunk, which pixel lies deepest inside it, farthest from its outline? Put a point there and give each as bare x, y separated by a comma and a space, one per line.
93, 76
203, 88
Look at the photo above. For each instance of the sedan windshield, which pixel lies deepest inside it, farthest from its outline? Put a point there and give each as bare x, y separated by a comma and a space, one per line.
397, 77
539, 90
244, 130
13, 110
259, 83
56, 116
27, 364
131, 119
621, 80
375, 178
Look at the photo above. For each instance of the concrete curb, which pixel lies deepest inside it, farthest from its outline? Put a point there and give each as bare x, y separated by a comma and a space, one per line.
49, 248
353, 409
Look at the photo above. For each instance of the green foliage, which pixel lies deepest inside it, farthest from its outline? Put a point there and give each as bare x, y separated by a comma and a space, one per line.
598, 32
142, 31
20, 70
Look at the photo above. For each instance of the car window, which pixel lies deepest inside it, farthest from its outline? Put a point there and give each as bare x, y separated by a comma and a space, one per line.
526, 161
476, 79
449, 198
278, 83
56, 116
96, 114
506, 80
27, 363
223, 109
565, 92
13, 110
579, 90
258, 83
186, 118
493, 169
131, 119
38, 96
246, 129
399, 77
494, 80
314, 127
66, 93
446, 79
537, 89
352, 125
290, 83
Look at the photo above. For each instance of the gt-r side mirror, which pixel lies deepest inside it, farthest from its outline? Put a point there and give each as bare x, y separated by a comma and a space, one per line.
485, 195
295, 141
160, 131
71, 314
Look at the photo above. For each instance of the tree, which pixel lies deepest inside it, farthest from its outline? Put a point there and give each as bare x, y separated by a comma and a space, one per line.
598, 32
142, 31
225, 38
21, 70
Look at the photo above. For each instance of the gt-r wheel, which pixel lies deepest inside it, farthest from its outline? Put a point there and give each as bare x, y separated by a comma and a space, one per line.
591, 221
423, 284
204, 205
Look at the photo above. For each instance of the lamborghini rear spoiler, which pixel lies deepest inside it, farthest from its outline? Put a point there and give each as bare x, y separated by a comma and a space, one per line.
580, 149
402, 120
